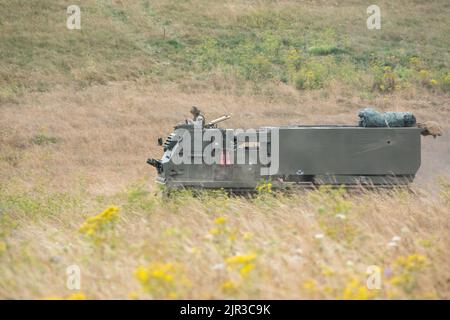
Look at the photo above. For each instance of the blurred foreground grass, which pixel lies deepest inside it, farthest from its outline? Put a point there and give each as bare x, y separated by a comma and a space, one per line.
316, 244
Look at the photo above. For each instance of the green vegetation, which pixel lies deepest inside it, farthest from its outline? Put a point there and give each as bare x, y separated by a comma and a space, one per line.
42, 139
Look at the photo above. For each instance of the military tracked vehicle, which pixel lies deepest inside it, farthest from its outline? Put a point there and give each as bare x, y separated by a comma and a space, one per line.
383, 154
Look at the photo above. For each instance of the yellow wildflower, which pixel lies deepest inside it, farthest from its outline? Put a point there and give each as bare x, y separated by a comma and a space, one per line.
401, 280
447, 79
172, 295
220, 220
424, 73
232, 236
93, 225
246, 269
264, 187
133, 296
141, 274
160, 274
2, 247
407, 270
355, 291
328, 289
214, 231
247, 235
310, 285
243, 263
241, 259
162, 280
413, 262
77, 296
327, 271
228, 286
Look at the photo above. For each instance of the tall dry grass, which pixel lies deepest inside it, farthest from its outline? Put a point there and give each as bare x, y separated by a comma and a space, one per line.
67, 156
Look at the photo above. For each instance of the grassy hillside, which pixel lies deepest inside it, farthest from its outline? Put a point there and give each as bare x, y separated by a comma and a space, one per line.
307, 45
80, 112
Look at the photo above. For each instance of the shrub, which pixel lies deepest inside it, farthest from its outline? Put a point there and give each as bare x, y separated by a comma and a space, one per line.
41, 139
446, 82
324, 50
311, 76
385, 80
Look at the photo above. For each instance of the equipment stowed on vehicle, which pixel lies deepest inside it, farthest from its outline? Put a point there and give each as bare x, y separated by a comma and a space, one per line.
384, 149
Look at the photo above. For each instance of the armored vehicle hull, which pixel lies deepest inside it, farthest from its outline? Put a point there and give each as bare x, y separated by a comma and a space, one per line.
299, 156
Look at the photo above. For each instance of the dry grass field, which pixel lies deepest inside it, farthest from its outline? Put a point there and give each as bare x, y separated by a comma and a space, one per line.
80, 112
